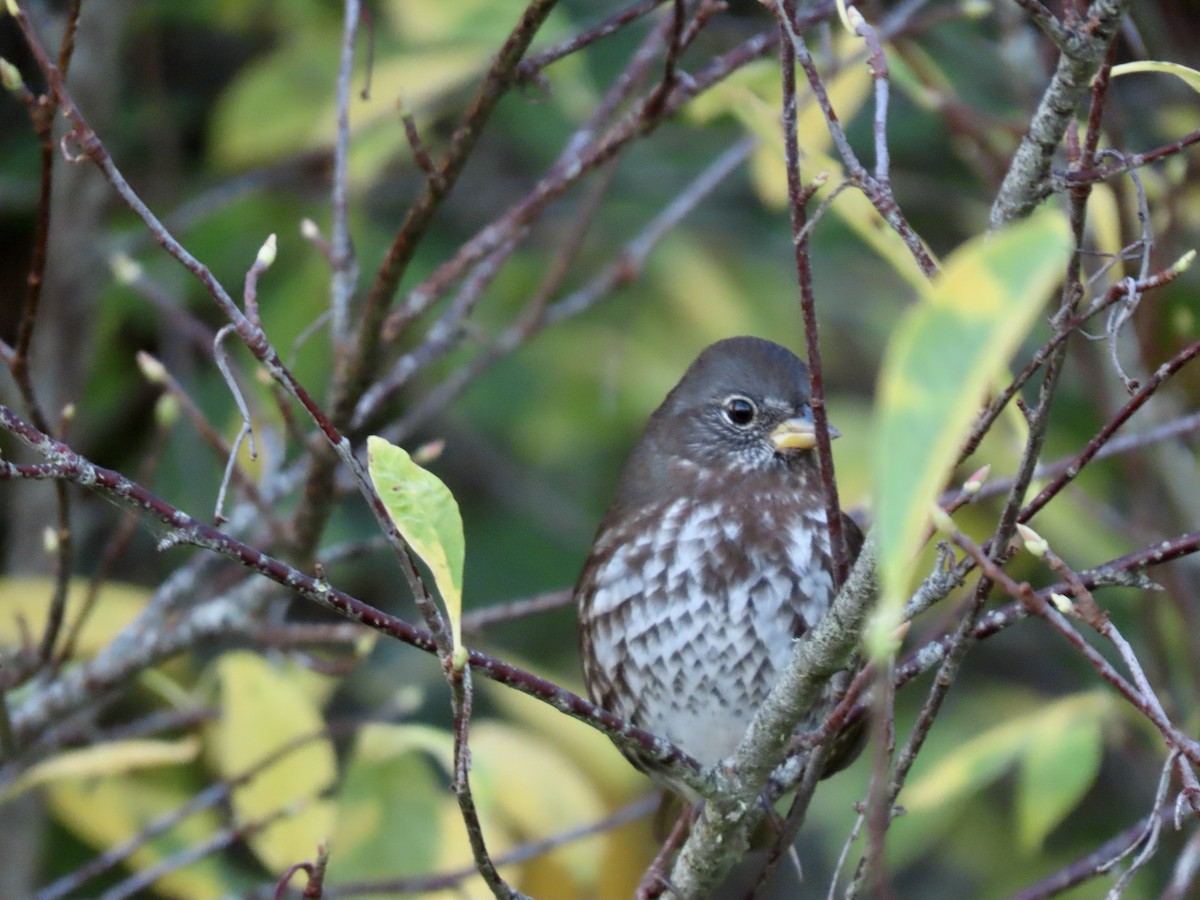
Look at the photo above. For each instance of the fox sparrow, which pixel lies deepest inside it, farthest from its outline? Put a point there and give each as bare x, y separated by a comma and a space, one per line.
714, 557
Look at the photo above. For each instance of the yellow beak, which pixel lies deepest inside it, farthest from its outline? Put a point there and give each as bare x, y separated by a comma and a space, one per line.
797, 434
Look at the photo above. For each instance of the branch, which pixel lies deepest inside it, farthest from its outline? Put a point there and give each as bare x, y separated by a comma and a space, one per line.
797, 203
531, 67
1125, 163
1035, 603
718, 840
1165, 371
344, 277
462, 697
1027, 182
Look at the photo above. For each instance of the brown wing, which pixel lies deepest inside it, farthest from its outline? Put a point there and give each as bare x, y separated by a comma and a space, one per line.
850, 742
854, 538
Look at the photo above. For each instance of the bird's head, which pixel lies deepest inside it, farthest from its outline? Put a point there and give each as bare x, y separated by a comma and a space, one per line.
743, 404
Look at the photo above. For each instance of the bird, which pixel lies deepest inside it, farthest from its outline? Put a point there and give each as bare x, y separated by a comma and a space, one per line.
714, 557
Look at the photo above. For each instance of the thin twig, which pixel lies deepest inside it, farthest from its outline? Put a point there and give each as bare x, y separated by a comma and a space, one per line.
461, 696
1127, 162
1113, 295
479, 620
157, 374
532, 65
808, 302
1094, 863
42, 110
344, 263
246, 429
880, 799
1040, 606
1088, 453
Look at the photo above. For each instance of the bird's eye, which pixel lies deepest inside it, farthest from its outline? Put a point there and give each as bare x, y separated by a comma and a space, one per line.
739, 411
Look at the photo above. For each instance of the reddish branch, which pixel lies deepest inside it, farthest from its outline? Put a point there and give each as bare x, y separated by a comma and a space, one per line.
532, 66
877, 190
1136, 402
42, 111
1035, 603
462, 698
797, 208
1127, 162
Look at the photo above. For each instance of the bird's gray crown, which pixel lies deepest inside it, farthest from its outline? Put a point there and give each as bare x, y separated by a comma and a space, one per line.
749, 365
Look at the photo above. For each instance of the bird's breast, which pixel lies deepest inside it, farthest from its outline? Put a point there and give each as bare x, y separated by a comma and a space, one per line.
691, 607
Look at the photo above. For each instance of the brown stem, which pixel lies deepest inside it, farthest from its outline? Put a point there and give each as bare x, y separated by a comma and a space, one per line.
808, 303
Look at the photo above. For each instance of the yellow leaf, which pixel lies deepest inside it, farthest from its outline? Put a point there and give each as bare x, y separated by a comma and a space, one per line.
427, 517
1059, 765
592, 753
104, 759
536, 791
702, 293
27, 600
970, 767
1058, 745
940, 359
106, 812
1190, 77
284, 102
263, 711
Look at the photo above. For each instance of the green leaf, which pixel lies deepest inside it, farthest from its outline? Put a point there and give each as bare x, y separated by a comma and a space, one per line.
1058, 746
265, 714
284, 102
968, 768
388, 803
1190, 77
936, 368
423, 510
1060, 763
